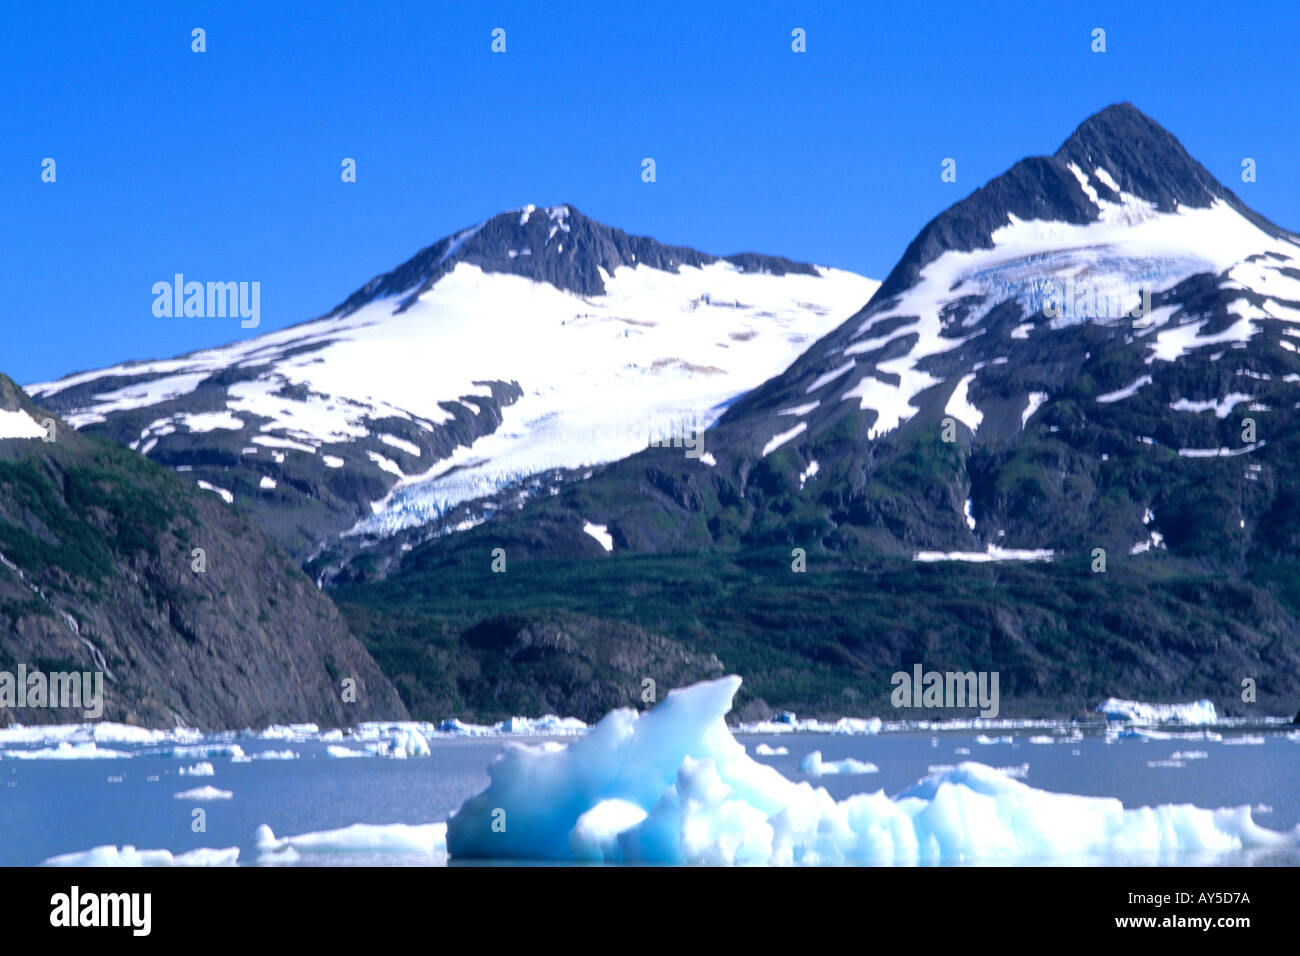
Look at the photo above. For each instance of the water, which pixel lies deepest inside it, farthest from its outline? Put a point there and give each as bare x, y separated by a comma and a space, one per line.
50, 807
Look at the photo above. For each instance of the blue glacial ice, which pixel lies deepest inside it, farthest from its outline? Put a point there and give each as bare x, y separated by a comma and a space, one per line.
673, 785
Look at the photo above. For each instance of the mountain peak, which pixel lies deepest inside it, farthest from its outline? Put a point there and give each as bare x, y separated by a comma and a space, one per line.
554, 244
1140, 157
1119, 150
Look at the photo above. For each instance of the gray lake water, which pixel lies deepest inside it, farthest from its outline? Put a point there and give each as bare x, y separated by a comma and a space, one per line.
51, 807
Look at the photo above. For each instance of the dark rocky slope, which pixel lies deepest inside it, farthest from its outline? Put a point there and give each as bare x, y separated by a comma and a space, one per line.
98, 574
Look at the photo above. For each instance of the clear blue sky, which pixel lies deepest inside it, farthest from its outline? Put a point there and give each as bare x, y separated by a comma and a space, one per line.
225, 165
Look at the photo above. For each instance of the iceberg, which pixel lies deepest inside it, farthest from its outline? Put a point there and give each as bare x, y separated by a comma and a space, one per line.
672, 785
204, 793
67, 751
814, 766
1135, 712
129, 856
425, 839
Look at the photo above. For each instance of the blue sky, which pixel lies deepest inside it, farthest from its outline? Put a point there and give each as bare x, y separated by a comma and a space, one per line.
225, 165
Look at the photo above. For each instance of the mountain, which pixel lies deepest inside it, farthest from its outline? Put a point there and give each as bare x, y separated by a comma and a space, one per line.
491, 367
1094, 355
99, 572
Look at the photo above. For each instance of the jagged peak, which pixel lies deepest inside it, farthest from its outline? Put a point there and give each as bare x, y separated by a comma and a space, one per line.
554, 244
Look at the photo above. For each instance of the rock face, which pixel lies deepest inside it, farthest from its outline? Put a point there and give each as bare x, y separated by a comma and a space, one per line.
1094, 356
98, 555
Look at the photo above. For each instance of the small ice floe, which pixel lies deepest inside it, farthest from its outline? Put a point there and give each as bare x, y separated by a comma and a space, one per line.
548, 726
406, 742
985, 740
68, 751
204, 793
199, 751
1137, 712
427, 839
129, 856
200, 769
1018, 772
1166, 763
1243, 740
814, 766
763, 750
1042, 739
787, 723
335, 750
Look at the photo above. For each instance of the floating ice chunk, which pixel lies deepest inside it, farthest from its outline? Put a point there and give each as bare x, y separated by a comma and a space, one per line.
763, 750
204, 793
789, 723
706, 801
68, 751
285, 754
1244, 739
814, 766
406, 742
198, 751
334, 750
202, 769
1136, 712
129, 856
425, 839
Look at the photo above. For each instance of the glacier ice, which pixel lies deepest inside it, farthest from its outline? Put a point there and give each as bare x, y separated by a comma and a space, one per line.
814, 766
673, 785
427, 839
1137, 712
129, 856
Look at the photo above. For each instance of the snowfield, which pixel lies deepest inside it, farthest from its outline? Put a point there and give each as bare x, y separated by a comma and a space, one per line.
658, 354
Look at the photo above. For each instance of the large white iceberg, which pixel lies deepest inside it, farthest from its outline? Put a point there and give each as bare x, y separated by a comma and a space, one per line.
673, 785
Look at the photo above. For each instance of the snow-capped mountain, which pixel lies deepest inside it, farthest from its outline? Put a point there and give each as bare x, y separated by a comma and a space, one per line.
1009, 460
538, 341
1043, 348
